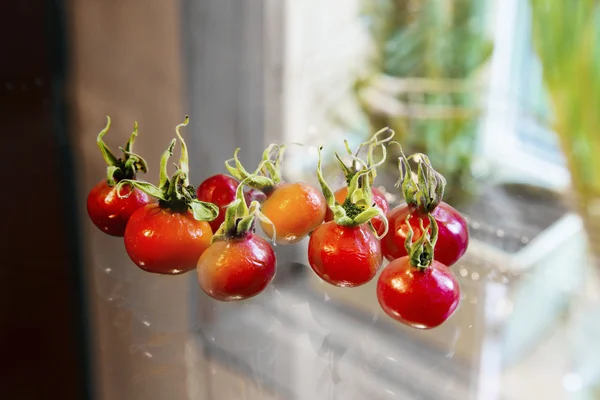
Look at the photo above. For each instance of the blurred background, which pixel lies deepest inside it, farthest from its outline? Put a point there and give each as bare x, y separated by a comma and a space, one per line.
503, 95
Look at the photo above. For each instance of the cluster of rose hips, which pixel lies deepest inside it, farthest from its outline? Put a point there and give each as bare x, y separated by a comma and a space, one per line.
172, 228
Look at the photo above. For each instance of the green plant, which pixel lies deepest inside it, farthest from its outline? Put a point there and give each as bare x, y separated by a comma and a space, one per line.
567, 39
423, 81
566, 35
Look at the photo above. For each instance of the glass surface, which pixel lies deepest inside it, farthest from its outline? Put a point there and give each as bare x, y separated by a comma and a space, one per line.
528, 323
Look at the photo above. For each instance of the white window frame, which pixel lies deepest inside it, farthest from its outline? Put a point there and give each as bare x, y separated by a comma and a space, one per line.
500, 144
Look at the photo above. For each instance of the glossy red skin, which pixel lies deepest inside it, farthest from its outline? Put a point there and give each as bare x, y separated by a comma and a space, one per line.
453, 237
109, 212
296, 209
236, 269
164, 241
346, 256
220, 189
378, 198
422, 299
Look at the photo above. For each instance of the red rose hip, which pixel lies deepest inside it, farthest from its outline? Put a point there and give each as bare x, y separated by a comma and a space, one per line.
345, 256
453, 236
164, 241
106, 209
236, 269
220, 190
419, 297
169, 237
111, 213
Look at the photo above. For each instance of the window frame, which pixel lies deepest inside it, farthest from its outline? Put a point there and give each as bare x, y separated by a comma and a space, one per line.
511, 159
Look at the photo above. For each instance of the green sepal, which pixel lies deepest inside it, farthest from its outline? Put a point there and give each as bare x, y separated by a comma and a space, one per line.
278, 161
175, 192
163, 180
406, 182
134, 161
367, 217
246, 223
338, 211
359, 190
129, 145
228, 226
270, 167
348, 172
238, 173
254, 180
145, 187
255, 210
111, 171
357, 163
235, 210
107, 155
374, 143
240, 219
358, 207
184, 158
421, 252
202, 210
428, 191
125, 168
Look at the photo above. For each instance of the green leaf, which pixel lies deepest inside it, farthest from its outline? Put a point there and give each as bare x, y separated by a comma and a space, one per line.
203, 211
